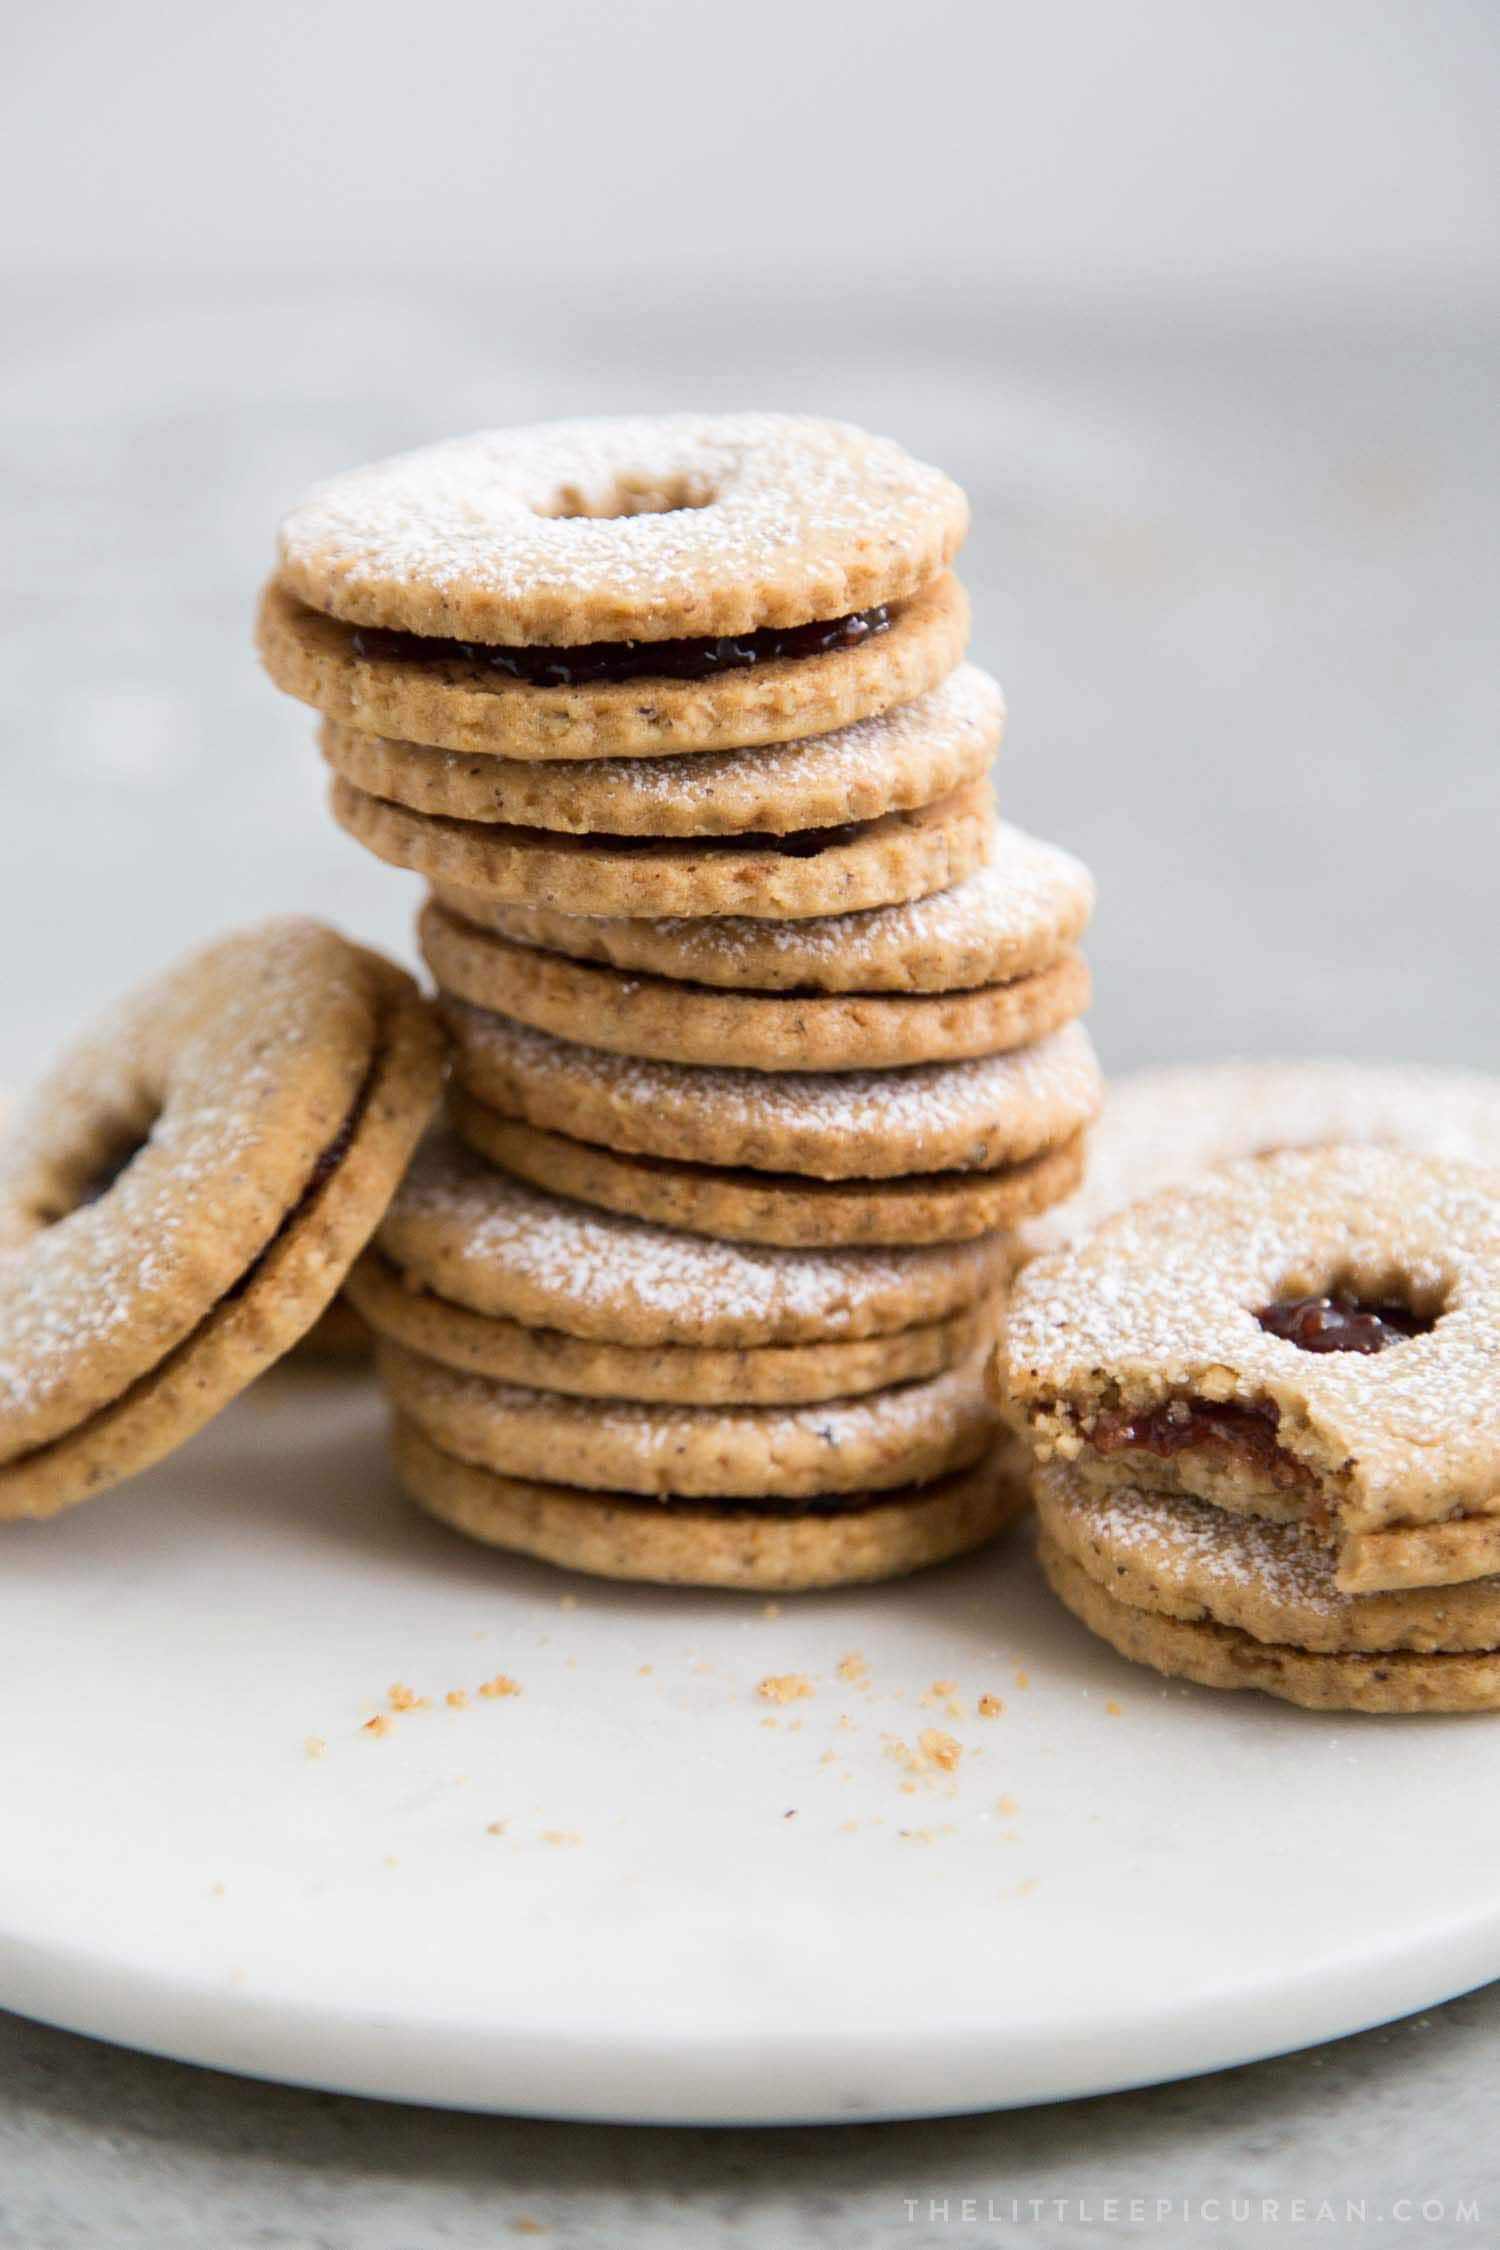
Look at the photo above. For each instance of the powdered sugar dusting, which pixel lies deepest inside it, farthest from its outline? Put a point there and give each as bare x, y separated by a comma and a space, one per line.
1038, 1093
459, 1222
953, 1403
1164, 1125
1163, 1297
525, 520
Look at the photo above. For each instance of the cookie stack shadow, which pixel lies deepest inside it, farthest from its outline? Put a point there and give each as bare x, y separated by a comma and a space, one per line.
764, 1030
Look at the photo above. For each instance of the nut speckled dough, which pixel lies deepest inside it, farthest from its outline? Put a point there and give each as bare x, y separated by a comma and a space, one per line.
899, 759
856, 1124
746, 1206
907, 1434
755, 1549
1218, 1656
658, 1019
899, 856
630, 528
460, 704
469, 1234
677, 1374
1378, 1453
1161, 1126
1191, 1560
268, 1092
1024, 906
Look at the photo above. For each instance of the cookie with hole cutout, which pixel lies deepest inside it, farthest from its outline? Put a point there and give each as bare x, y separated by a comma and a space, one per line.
628, 586
1311, 1336
183, 1195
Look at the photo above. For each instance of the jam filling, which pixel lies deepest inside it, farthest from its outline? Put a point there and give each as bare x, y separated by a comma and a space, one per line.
630, 660
798, 843
1340, 1324
1179, 1425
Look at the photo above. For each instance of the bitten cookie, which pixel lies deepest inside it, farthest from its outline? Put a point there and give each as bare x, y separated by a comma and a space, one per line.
183, 1194
1309, 1336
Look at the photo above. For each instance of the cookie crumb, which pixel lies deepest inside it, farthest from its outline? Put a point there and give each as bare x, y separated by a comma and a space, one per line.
771, 1609
495, 1828
400, 1697
645, 1668
939, 1748
380, 1724
457, 1699
1007, 1805
389, 1861
314, 1746
561, 1836
501, 1684
216, 1890
527, 2226
1112, 1708
567, 1601
853, 1666
784, 1687
990, 1707
1023, 1679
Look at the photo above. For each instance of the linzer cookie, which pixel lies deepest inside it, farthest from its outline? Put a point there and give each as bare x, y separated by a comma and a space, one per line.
1017, 913
1234, 1601
900, 759
1162, 1126
874, 1124
183, 1195
595, 589
662, 1020
1312, 1337
899, 855
743, 1205
769, 1549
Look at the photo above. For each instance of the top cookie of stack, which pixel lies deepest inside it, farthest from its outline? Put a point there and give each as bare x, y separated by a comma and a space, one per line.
673, 716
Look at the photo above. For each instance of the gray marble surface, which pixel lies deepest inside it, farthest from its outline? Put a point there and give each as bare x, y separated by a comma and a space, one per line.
1237, 577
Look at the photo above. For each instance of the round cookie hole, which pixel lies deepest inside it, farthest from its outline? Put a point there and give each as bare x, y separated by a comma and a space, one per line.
1351, 1314
628, 496
89, 1183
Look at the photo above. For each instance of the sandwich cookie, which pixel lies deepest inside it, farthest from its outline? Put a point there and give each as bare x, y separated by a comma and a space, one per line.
1312, 1337
183, 1195
899, 855
621, 587
1234, 1601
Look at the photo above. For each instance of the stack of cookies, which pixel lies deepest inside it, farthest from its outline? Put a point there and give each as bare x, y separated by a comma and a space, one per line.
764, 1030
1265, 1408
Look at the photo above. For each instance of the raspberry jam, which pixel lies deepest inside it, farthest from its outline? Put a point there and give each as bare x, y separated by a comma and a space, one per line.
1179, 1425
1340, 1324
593, 661
797, 843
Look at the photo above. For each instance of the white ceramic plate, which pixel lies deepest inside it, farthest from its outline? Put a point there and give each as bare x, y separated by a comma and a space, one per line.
700, 1905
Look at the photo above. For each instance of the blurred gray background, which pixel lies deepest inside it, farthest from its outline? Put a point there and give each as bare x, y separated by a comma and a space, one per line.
1201, 301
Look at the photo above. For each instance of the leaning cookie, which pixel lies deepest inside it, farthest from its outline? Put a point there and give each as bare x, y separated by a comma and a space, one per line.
183, 1195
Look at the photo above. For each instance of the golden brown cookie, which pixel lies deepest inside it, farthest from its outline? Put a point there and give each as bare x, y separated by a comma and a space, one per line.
1161, 1126
476, 1238
1218, 1656
1028, 903
1191, 1560
907, 1434
675, 1374
1312, 1336
817, 871
184, 1193
624, 529
864, 1124
762, 1549
772, 1207
899, 759
667, 1022
453, 698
